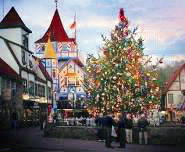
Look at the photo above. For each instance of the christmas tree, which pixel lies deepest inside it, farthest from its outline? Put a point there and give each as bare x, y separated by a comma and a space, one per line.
122, 79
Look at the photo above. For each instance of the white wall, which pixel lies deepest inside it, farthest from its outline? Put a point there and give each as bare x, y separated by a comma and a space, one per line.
12, 34
182, 79
177, 97
6, 55
17, 51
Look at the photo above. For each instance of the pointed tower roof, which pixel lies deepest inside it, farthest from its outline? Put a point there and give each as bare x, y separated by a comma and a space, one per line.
49, 52
13, 20
57, 31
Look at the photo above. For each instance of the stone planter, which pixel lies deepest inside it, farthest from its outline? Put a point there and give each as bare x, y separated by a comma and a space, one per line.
157, 135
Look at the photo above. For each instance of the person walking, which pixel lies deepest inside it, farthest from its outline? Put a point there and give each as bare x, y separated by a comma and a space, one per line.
108, 123
121, 130
129, 126
143, 129
14, 120
100, 128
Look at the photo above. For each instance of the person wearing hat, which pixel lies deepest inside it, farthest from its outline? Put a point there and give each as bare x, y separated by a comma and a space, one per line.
143, 129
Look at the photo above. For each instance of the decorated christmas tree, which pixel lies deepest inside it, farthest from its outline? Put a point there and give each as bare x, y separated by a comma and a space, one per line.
123, 78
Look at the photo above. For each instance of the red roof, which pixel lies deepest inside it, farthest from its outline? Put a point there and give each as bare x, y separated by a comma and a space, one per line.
43, 69
12, 20
173, 77
6, 70
56, 30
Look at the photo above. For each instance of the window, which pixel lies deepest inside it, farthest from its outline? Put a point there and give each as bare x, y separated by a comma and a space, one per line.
14, 88
25, 41
77, 81
23, 57
54, 73
25, 86
7, 84
30, 64
31, 88
170, 98
65, 79
49, 92
41, 90
36, 89
54, 63
71, 80
65, 47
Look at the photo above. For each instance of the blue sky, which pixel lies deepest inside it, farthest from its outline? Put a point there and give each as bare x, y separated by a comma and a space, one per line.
161, 22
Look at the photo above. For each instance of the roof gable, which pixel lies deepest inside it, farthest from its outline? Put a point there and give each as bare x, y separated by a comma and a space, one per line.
6, 70
42, 68
13, 20
56, 30
173, 77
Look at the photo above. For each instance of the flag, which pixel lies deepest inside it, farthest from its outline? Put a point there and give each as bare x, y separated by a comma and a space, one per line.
73, 25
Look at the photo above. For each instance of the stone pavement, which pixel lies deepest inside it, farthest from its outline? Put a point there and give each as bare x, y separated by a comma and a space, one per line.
31, 140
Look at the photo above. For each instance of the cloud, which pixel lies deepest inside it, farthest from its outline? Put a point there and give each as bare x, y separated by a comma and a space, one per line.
98, 22
161, 23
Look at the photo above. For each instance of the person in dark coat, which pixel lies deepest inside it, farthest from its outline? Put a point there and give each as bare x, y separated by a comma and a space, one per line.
129, 126
14, 120
108, 122
121, 130
143, 129
100, 128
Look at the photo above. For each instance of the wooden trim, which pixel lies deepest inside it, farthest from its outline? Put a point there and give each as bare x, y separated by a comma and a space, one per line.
8, 41
40, 80
13, 54
173, 90
27, 70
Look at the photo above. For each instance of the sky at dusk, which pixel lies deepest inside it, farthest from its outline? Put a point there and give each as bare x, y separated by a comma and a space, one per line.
161, 23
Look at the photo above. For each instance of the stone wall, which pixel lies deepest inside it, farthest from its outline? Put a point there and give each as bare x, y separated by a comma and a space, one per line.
75, 132
161, 135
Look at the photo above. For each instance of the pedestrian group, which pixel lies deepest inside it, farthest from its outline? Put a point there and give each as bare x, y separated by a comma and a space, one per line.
111, 130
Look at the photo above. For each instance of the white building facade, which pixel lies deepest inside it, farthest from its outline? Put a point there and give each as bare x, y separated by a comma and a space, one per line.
14, 50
